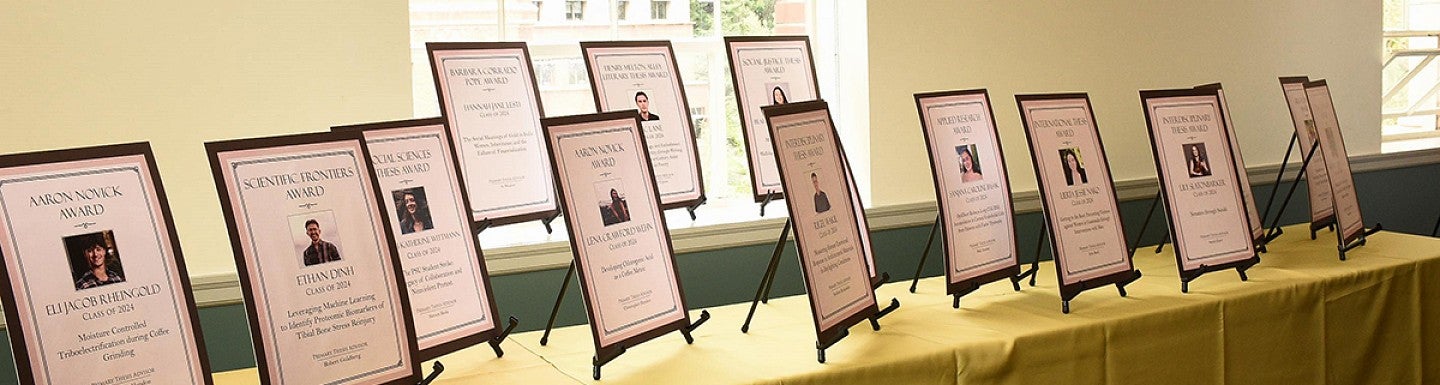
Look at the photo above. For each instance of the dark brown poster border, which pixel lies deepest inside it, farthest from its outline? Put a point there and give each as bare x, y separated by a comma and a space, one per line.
606, 353
494, 336
17, 327
1121, 278
824, 337
689, 204
544, 216
213, 150
965, 286
1186, 276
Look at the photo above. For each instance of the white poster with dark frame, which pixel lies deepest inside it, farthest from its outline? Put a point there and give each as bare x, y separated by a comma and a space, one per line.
319, 271
1317, 179
972, 189
490, 99
1199, 182
95, 288
827, 236
1351, 231
770, 71
618, 234
445, 274
1077, 193
644, 76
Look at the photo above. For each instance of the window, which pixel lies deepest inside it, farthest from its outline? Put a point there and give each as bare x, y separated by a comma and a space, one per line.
696, 30
574, 10
1410, 77
659, 9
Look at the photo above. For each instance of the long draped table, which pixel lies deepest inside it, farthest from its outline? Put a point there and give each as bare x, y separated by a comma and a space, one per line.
1303, 317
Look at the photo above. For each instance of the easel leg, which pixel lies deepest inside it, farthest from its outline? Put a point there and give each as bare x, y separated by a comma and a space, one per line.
775, 262
495, 342
546, 222
1275, 223
602, 359
875, 319
925, 254
768, 277
564, 285
704, 316
820, 346
434, 373
1279, 176
691, 209
1034, 264
1164, 239
1144, 225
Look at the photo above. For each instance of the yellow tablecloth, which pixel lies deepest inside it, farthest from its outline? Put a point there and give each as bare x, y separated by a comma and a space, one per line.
1303, 317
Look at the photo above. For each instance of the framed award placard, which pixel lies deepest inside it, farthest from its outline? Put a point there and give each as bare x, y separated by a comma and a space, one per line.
318, 268
776, 70
618, 235
445, 274
1337, 163
1257, 225
95, 289
1199, 181
644, 76
827, 237
1317, 179
972, 188
1077, 193
489, 99
768, 71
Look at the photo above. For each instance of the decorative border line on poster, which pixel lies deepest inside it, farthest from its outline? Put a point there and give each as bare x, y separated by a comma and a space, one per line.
234, 172
485, 316
675, 87
160, 245
533, 113
942, 179
1180, 225
580, 234
1060, 241
740, 75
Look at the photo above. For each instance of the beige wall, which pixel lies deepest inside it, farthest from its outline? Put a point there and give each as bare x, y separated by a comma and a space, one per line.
180, 73
1111, 49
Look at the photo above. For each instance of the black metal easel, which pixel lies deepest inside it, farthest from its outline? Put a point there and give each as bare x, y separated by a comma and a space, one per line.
565, 285
822, 344
494, 341
604, 356
1155, 202
1275, 231
434, 373
767, 280
1014, 281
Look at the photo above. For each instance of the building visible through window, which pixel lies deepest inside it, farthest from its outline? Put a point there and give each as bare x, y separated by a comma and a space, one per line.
574, 10
659, 9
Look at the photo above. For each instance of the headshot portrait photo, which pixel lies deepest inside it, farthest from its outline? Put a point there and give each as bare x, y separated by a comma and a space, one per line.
94, 259
642, 103
779, 93
412, 210
822, 201
1073, 166
969, 163
315, 236
613, 206
1197, 162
